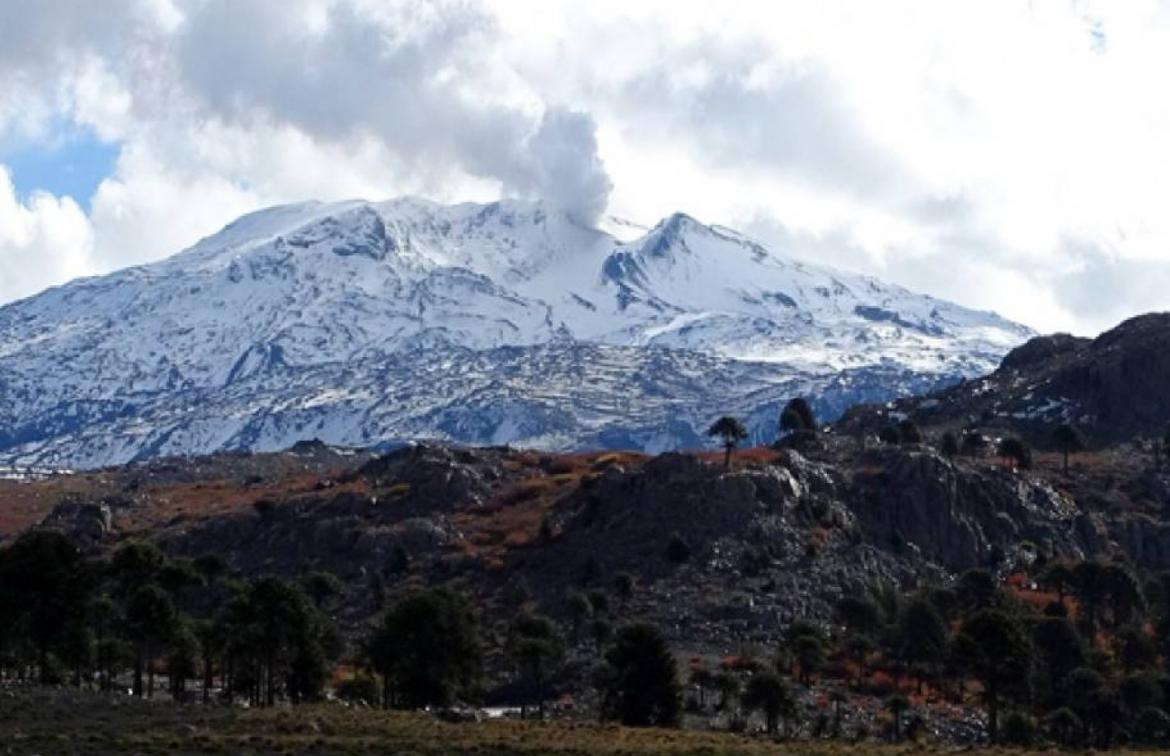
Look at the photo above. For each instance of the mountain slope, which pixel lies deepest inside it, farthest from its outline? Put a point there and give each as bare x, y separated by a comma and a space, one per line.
367, 322
1112, 388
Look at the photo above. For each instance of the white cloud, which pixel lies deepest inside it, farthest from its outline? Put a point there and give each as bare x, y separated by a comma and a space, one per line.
43, 241
954, 148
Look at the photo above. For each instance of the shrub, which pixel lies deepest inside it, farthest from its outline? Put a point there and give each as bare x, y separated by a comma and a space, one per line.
1016, 451
973, 443
798, 416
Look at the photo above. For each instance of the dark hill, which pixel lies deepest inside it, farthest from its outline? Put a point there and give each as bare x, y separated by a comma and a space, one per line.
1113, 388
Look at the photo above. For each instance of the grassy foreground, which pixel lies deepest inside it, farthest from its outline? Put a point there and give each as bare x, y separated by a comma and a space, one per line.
67, 722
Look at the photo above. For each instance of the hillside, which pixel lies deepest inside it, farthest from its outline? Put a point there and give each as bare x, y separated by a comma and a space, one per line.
373, 323
1112, 388
782, 535
778, 540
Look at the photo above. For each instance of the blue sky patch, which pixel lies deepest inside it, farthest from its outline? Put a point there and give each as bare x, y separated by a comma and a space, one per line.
73, 164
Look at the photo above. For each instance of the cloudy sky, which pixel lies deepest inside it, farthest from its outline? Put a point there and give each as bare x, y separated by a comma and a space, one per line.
1007, 155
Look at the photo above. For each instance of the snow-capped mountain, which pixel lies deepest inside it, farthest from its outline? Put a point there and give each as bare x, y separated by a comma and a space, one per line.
362, 323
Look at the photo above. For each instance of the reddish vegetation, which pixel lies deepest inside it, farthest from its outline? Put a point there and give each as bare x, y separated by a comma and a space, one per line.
221, 497
739, 457
24, 504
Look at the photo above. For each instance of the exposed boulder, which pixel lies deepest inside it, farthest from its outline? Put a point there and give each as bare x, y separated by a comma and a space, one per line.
86, 521
436, 478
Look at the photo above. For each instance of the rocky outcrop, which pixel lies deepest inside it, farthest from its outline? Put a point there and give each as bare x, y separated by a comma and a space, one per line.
1040, 349
955, 515
437, 478
1113, 388
88, 522
699, 500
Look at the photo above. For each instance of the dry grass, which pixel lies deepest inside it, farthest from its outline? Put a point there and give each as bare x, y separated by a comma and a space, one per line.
60, 723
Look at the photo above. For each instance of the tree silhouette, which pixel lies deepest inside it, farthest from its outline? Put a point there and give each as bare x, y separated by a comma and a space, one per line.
150, 620
1068, 441
923, 635
1089, 586
426, 648
211, 645
949, 446
897, 705
639, 681
797, 416
1058, 577
973, 443
809, 652
995, 650
731, 432
136, 564
182, 659
104, 614
1059, 650
535, 648
43, 589
702, 679
767, 693
1016, 452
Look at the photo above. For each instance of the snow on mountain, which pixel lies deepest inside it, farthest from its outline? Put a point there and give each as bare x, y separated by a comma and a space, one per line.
363, 323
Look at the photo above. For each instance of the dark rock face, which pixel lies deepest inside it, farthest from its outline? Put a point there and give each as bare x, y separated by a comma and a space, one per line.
1120, 383
955, 516
701, 501
1035, 351
1113, 388
767, 544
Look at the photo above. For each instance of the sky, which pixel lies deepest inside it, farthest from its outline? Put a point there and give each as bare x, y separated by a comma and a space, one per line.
1007, 155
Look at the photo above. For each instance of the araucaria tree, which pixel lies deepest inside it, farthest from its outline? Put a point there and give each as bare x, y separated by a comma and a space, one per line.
996, 651
639, 681
1015, 452
42, 589
426, 649
535, 647
730, 432
767, 693
1068, 441
797, 416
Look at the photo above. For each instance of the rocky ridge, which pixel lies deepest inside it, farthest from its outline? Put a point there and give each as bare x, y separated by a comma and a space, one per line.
1112, 388
782, 534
